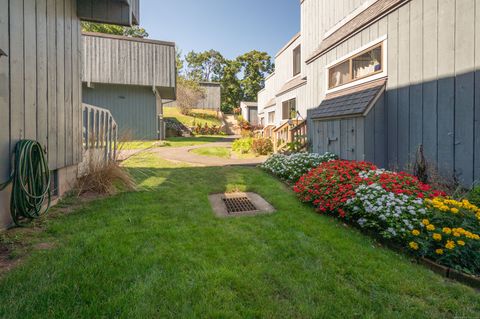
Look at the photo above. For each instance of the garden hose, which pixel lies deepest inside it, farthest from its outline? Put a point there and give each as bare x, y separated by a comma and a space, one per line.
30, 179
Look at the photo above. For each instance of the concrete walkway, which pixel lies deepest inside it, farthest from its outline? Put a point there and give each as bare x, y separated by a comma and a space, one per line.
184, 154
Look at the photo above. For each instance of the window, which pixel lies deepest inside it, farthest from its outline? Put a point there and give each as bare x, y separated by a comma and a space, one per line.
289, 109
297, 60
362, 65
271, 117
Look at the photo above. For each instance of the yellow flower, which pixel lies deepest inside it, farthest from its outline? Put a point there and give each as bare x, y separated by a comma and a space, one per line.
454, 210
439, 251
413, 245
415, 232
450, 244
430, 227
457, 234
437, 237
425, 222
461, 243
447, 230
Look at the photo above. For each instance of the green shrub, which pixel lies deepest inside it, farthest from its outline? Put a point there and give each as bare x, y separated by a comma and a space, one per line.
262, 146
243, 145
474, 196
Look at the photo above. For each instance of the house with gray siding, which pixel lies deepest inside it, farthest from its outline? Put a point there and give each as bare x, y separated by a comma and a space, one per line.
212, 97
132, 78
386, 76
40, 81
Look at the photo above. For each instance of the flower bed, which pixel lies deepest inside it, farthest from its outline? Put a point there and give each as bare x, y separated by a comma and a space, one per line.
291, 167
399, 208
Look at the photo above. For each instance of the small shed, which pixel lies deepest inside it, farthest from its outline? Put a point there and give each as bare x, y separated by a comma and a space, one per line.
350, 123
250, 112
212, 97
131, 77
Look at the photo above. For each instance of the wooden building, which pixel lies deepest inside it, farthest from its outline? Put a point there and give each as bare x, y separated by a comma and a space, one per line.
249, 111
40, 80
132, 78
427, 54
212, 97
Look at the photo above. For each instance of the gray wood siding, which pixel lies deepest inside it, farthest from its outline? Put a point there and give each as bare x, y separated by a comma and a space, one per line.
359, 138
40, 96
318, 17
133, 107
433, 61
212, 100
121, 60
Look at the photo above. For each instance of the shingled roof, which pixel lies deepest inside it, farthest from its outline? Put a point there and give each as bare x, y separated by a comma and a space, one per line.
353, 101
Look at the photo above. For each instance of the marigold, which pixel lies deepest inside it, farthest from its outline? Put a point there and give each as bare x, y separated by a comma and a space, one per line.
415, 232
447, 230
439, 251
450, 244
425, 222
454, 210
430, 227
437, 237
413, 245
461, 243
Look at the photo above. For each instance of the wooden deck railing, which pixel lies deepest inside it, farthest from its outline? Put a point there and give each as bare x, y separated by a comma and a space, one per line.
100, 131
293, 131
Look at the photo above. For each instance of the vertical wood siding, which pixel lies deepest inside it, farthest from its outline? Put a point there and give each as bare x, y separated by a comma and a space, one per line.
128, 61
40, 95
212, 98
133, 107
432, 95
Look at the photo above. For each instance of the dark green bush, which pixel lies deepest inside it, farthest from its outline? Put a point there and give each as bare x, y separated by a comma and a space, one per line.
474, 196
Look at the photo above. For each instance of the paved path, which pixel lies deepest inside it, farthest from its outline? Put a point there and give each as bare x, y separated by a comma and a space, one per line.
184, 154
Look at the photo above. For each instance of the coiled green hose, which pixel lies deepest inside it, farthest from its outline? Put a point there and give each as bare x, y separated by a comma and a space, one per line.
30, 180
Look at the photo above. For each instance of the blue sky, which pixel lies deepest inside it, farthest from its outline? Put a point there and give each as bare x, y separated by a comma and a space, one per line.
232, 27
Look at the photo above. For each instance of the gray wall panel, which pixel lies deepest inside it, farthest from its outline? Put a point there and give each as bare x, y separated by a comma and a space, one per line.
4, 93
122, 60
432, 91
133, 107
42, 79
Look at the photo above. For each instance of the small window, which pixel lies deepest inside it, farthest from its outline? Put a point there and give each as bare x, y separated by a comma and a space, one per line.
289, 109
271, 117
367, 63
297, 60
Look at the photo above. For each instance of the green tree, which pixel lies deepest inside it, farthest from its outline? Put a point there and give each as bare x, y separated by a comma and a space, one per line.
135, 31
255, 66
230, 83
180, 63
205, 66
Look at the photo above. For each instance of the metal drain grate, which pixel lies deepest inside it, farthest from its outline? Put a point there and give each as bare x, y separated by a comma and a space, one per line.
239, 205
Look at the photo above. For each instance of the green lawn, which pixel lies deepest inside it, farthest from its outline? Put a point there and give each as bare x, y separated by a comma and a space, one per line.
221, 152
170, 142
138, 145
195, 117
161, 253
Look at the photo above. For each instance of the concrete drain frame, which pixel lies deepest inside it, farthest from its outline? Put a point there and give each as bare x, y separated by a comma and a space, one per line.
239, 204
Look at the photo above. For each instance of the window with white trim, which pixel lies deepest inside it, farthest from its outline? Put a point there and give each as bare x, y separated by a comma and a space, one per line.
271, 117
367, 63
297, 60
289, 109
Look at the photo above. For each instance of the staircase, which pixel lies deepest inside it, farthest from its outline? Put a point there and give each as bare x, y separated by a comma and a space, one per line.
232, 127
290, 136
